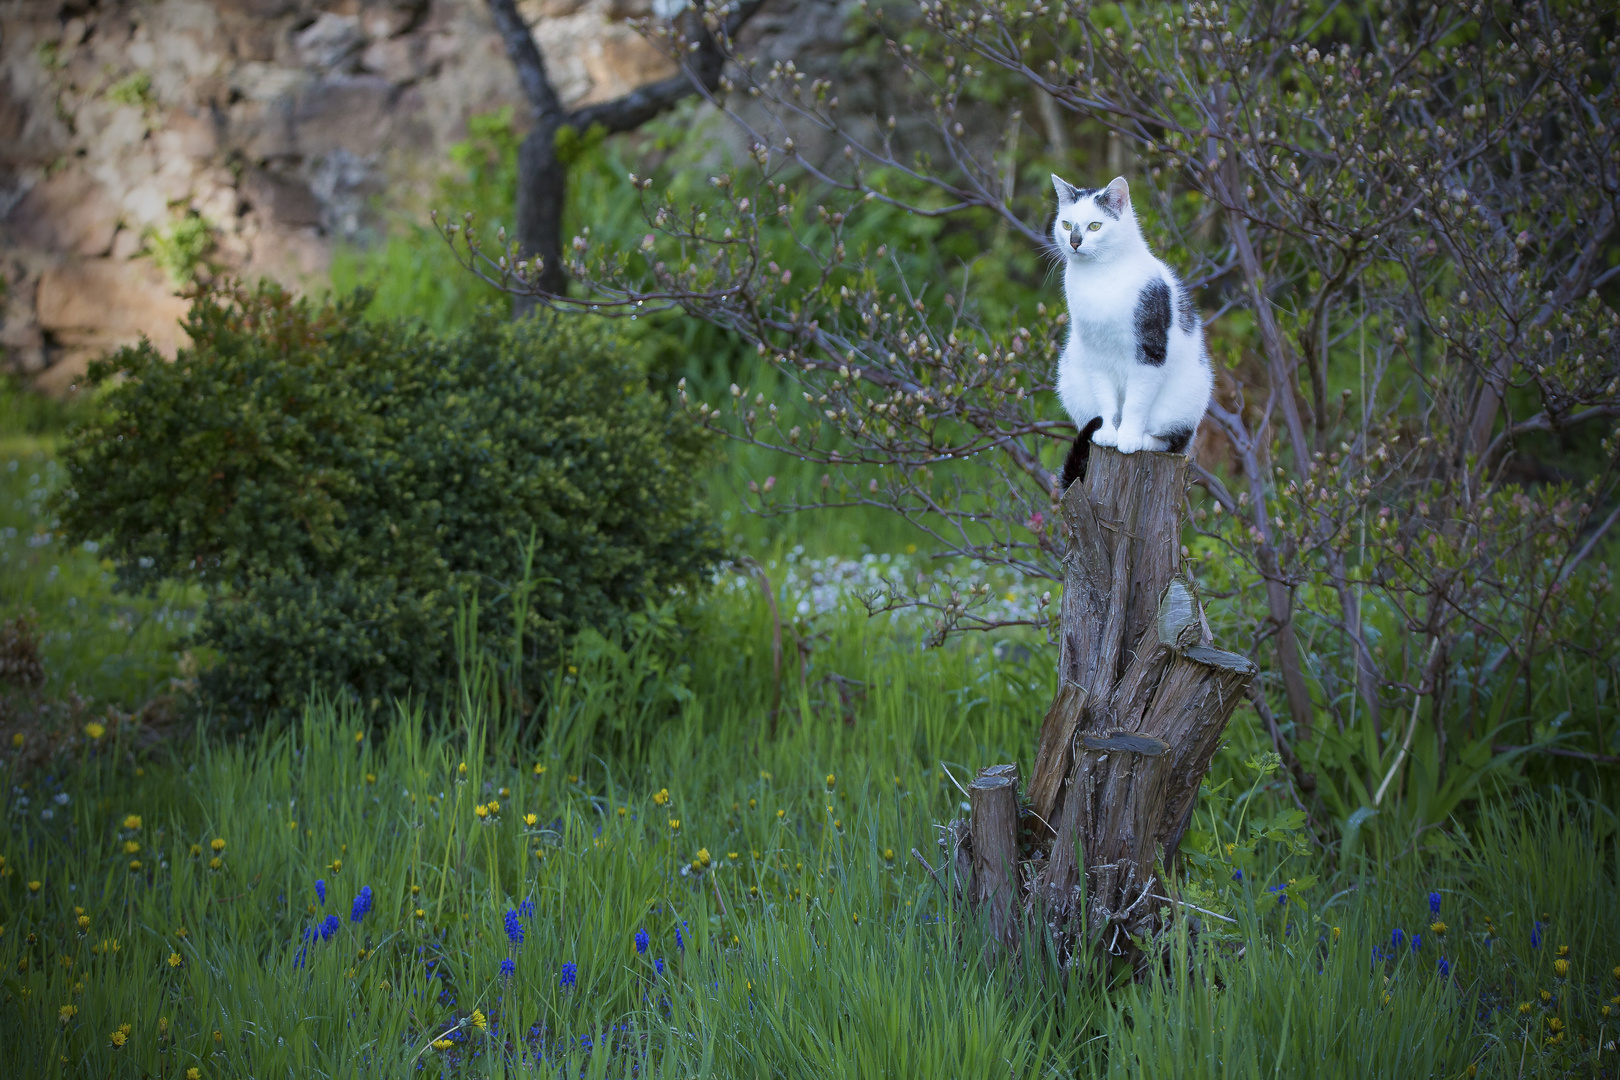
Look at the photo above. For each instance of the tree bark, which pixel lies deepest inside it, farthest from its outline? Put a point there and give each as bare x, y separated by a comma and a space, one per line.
542, 177
993, 797
1143, 699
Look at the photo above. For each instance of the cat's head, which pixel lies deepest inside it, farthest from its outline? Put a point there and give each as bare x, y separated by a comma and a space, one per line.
1093, 223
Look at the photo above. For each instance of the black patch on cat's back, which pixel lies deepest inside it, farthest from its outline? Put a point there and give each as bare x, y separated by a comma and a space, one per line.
1186, 312
1153, 322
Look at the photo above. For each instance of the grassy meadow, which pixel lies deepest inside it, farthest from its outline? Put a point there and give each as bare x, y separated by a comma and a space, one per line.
607, 899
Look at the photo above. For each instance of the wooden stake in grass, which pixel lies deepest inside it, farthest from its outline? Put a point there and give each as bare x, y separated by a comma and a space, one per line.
1142, 700
993, 796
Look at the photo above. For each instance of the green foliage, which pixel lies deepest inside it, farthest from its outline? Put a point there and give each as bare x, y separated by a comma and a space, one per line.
133, 89
182, 249
411, 275
342, 487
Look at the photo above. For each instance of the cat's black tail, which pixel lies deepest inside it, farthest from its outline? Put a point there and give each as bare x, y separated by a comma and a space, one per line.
1074, 466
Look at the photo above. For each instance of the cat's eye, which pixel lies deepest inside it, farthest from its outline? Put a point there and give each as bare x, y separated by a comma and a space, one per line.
1066, 226
1094, 226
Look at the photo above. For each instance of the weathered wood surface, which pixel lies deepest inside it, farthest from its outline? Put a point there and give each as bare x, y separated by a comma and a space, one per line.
993, 796
1143, 699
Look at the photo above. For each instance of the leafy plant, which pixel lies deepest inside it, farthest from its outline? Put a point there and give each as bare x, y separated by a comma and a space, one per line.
182, 249
342, 487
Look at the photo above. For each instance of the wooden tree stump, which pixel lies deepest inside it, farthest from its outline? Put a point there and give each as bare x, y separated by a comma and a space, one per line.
1142, 701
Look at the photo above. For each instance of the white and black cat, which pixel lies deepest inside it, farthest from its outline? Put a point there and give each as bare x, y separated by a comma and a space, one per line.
1134, 374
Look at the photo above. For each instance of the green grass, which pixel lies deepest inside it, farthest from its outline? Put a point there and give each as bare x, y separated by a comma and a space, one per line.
820, 949
106, 646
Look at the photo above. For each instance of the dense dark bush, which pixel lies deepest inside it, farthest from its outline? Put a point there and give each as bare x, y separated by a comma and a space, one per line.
341, 487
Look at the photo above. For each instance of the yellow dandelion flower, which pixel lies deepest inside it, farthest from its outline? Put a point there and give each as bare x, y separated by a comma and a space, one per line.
371, 778
194, 1073
732, 855
66, 1013
888, 854
539, 769
753, 804
420, 914
781, 813
218, 844
196, 849
530, 819
133, 821
753, 890
94, 730
1472, 1070
674, 823
494, 807
1563, 950
33, 886
335, 866
442, 1044
131, 847
857, 919
135, 864
1546, 996
18, 739
479, 1021
461, 769
623, 811
481, 810
163, 1027
175, 960
1554, 1024
1335, 933
84, 923
1561, 968
703, 856
661, 797
118, 1039
831, 781
180, 931
506, 793
213, 864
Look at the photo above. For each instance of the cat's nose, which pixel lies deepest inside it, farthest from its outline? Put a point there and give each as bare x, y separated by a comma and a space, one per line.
1074, 240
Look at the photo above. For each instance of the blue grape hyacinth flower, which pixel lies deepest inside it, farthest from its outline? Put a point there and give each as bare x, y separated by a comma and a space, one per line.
362, 904
1434, 906
1444, 967
1535, 935
320, 890
329, 926
569, 971
514, 928
659, 965
526, 909
642, 941
507, 968
1397, 938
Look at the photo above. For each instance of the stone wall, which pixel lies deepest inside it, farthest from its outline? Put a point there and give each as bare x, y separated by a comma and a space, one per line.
285, 125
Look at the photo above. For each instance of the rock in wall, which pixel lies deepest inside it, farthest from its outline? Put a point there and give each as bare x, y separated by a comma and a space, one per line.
284, 125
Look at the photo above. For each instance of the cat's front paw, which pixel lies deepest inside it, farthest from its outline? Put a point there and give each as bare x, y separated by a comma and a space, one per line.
1129, 442
1105, 436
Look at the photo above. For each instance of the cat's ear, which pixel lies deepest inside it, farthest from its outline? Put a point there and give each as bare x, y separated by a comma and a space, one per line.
1115, 197
1066, 192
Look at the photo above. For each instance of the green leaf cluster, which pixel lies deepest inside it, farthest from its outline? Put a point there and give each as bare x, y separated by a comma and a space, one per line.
344, 487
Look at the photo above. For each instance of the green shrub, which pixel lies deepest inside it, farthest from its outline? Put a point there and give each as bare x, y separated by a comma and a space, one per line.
344, 487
